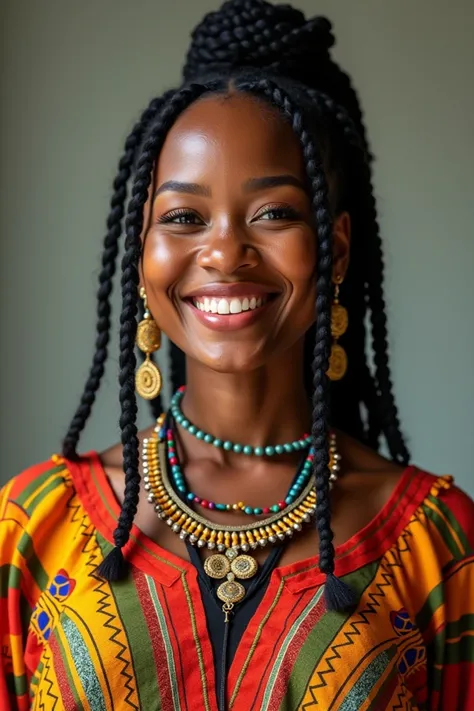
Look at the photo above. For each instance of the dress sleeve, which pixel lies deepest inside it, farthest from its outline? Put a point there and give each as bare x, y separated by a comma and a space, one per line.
451, 647
13, 526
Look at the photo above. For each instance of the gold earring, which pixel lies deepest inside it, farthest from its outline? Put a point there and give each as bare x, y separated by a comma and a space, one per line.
148, 376
339, 323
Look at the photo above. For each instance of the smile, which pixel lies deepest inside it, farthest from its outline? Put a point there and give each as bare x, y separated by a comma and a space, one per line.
230, 306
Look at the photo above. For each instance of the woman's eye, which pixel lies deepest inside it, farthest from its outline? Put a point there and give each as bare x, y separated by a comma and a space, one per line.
180, 217
278, 213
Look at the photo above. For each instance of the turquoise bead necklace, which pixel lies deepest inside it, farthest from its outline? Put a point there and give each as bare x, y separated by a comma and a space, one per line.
268, 451
300, 481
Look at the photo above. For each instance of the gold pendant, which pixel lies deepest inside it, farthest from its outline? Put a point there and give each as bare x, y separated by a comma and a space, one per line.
244, 567
231, 591
337, 362
339, 320
148, 337
217, 566
231, 565
148, 380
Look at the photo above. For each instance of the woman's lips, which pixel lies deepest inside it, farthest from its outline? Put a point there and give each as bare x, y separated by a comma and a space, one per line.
225, 306
227, 314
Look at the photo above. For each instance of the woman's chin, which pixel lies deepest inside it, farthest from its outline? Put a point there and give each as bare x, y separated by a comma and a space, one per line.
232, 358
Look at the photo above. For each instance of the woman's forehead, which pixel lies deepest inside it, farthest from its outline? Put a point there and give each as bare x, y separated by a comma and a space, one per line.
236, 132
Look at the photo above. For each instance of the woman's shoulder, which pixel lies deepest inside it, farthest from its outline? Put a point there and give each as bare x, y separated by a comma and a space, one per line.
35, 486
41, 493
431, 517
44, 524
32, 508
450, 507
382, 486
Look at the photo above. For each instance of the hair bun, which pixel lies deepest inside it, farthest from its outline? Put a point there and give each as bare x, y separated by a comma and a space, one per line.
257, 34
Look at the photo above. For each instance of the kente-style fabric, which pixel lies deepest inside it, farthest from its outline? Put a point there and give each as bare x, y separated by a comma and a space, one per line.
70, 640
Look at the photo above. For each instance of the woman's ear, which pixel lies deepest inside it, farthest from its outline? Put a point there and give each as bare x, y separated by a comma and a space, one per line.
341, 243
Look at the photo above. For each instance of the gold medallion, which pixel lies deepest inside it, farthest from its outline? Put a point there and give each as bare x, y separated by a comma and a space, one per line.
148, 380
244, 566
339, 320
217, 566
231, 592
337, 362
148, 336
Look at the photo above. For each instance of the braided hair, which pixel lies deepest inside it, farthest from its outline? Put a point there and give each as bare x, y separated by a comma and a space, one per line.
275, 54
106, 275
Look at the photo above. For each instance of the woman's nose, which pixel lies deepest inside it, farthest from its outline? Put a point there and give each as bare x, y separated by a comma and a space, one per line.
228, 249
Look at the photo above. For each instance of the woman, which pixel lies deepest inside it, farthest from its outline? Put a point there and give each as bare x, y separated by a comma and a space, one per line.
178, 570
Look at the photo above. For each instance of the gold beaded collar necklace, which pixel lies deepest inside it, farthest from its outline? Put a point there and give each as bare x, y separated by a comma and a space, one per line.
234, 544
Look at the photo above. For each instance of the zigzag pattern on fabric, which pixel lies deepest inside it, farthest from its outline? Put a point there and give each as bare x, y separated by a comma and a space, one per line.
401, 696
103, 604
83, 530
103, 591
48, 691
370, 609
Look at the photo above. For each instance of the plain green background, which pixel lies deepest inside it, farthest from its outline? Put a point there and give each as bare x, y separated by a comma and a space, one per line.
74, 77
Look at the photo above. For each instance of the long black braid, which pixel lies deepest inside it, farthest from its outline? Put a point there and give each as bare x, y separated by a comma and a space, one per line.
274, 53
363, 211
109, 260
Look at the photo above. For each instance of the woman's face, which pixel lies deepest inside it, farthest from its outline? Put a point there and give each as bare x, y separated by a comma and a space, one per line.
230, 248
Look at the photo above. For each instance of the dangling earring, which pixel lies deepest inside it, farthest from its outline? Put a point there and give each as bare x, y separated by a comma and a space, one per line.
339, 323
148, 376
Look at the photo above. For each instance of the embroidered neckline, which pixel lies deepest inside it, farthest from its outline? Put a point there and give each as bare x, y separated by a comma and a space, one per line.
365, 546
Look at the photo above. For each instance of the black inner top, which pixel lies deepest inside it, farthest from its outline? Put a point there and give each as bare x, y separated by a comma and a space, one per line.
225, 643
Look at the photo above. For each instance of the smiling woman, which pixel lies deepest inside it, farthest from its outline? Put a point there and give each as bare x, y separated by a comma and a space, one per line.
231, 223
251, 549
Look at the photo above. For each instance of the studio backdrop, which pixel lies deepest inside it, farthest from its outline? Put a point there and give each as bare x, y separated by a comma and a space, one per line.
74, 77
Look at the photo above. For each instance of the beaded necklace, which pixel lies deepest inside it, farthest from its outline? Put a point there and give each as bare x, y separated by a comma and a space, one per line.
298, 484
199, 531
233, 560
268, 451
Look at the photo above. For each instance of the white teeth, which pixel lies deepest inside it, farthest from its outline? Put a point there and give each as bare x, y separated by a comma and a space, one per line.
235, 306
229, 306
223, 307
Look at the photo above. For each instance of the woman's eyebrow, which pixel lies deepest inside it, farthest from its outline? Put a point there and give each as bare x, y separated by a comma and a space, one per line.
180, 187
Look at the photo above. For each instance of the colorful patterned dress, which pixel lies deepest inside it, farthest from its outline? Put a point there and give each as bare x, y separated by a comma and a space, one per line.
72, 641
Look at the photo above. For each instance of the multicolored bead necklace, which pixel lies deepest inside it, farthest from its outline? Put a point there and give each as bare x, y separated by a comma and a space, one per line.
233, 560
301, 479
268, 451
199, 531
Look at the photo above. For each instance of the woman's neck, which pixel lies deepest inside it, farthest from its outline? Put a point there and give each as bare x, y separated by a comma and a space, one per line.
266, 406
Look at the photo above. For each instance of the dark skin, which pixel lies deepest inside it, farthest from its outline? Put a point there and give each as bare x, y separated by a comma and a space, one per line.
243, 384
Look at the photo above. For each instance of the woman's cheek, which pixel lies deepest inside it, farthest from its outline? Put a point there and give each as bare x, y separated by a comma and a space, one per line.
297, 256
162, 260
162, 268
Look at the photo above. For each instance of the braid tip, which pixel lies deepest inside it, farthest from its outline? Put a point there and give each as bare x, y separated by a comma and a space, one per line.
114, 566
339, 596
